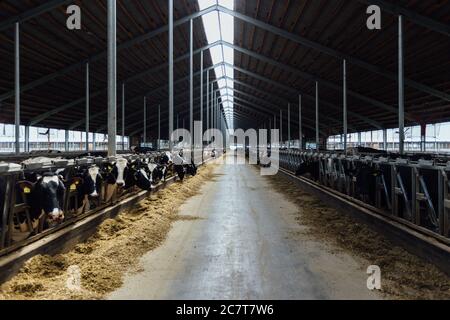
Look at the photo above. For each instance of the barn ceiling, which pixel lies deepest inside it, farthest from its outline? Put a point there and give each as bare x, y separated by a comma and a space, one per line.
281, 49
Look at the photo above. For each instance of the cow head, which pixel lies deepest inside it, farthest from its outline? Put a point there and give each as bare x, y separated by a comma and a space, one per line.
142, 179
121, 171
92, 181
47, 196
166, 158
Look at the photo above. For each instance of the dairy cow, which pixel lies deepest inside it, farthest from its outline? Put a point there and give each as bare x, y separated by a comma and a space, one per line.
182, 167
45, 197
157, 172
138, 175
127, 175
88, 183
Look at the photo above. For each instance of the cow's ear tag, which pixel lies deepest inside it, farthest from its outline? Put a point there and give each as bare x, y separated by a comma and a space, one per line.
26, 190
73, 187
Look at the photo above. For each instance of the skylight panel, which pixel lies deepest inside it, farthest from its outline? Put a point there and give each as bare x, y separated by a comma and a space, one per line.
220, 26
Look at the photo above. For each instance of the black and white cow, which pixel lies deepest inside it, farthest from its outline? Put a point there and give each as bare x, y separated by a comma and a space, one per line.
46, 197
127, 174
182, 166
309, 168
142, 150
88, 183
114, 176
139, 175
157, 172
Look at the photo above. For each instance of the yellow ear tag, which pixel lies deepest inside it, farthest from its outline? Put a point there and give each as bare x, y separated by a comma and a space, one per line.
73, 187
26, 190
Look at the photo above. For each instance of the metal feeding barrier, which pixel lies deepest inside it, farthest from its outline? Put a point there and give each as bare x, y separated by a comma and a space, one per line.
416, 191
17, 229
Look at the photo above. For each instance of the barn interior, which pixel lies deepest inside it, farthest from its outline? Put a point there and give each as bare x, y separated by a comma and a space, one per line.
110, 81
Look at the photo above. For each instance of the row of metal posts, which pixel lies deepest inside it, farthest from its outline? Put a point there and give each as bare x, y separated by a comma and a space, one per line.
401, 106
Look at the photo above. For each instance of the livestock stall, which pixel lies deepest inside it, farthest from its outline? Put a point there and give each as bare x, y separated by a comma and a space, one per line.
22, 225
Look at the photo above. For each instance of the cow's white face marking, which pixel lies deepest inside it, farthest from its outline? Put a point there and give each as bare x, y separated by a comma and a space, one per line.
94, 172
152, 167
54, 179
121, 165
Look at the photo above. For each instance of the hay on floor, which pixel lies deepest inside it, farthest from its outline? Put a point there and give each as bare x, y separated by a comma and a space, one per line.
114, 249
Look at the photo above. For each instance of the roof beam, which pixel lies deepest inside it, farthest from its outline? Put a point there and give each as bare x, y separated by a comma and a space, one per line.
315, 78
370, 122
101, 55
333, 53
284, 118
295, 91
264, 102
155, 69
30, 14
139, 113
270, 112
419, 19
138, 97
258, 23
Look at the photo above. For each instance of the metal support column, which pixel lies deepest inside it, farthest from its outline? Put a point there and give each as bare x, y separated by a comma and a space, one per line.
66, 141
191, 84
123, 116
317, 118
281, 127
216, 119
385, 146
145, 121
213, 101
112, 74
401, 88
201, 95
423, 137
214, 111
27, 138
207, 100
344, 88
300, 132
200, 134
289, 125
87, 106
17, 87
170, 74
159, 127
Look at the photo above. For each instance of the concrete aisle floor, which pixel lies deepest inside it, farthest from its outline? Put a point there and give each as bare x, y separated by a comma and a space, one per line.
247, 245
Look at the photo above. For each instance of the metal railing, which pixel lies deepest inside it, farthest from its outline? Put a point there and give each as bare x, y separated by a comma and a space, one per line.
414, 191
